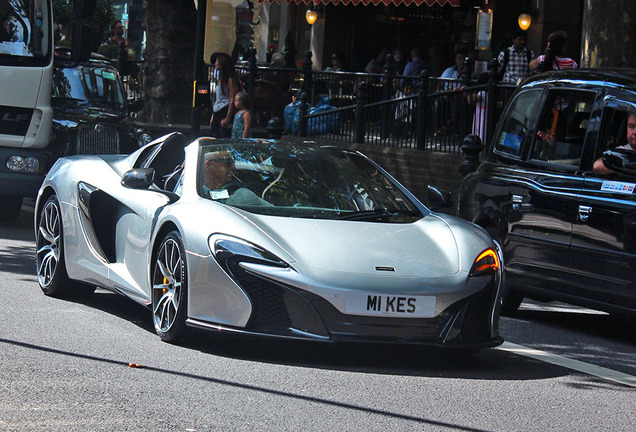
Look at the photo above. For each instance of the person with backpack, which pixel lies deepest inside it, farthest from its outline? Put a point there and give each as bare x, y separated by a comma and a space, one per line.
515, 60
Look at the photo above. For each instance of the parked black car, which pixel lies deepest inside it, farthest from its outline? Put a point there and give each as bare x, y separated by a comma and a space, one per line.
568, 233
91, 111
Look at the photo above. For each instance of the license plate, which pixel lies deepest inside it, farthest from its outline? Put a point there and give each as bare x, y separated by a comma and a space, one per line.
390, 305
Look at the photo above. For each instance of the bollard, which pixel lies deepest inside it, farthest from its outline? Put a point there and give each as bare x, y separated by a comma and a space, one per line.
471, 147
274, 128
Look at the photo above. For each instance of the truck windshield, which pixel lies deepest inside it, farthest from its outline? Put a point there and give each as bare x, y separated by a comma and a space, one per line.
25, 32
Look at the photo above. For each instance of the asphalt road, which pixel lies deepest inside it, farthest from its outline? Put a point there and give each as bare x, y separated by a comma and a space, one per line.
66, 366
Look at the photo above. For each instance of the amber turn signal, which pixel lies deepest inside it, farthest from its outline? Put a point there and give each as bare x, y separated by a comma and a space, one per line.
486, 261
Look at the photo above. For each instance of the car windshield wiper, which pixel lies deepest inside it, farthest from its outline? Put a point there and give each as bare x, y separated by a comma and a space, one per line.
364, 215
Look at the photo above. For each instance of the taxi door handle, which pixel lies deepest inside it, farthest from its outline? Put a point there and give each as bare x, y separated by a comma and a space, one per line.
584, 212
517, 204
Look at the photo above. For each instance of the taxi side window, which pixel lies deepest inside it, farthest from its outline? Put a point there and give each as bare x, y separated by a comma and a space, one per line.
562, 127
613, 130
514, 130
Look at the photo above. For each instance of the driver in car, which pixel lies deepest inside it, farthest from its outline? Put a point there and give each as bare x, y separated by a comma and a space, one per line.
221, 184
599, 167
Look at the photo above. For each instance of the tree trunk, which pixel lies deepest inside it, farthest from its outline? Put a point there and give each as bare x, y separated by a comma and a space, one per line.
609, 34
169, 61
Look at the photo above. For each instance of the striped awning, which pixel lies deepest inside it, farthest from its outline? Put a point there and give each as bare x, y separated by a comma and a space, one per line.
370, 2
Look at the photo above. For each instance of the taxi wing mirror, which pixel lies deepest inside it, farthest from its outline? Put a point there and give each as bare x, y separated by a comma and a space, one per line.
621, 161
439, 200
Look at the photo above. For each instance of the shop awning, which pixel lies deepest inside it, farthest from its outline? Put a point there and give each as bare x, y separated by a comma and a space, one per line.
369, 2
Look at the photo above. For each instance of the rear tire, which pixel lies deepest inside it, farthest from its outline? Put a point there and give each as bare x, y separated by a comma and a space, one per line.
49, 257
510, 299
10, 208
170, 289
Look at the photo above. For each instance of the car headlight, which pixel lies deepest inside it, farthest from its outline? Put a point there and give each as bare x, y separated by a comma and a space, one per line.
224, 247
487, 261
26, 164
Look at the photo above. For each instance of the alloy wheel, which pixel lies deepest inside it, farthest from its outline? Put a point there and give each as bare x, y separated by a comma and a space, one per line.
48, 243
167, 285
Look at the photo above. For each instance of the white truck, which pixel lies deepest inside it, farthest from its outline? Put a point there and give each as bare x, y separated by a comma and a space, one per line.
26, 76
26, 66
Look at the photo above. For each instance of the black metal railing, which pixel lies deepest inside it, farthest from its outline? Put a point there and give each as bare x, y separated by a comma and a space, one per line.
382, 109
437, 118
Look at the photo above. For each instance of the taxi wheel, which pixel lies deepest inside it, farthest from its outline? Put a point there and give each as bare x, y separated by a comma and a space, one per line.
169, 289
510, 302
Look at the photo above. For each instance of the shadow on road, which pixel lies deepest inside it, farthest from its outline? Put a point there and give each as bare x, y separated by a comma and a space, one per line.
390, 359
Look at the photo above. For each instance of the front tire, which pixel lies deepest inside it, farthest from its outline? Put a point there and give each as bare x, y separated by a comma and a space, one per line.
49, 257
169, 289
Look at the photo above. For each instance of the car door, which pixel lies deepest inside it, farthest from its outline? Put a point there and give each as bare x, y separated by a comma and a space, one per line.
543, 194
604, 232
133, 226
121, 220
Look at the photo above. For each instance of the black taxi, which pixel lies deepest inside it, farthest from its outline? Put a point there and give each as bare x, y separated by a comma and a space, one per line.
568, 231
92, 113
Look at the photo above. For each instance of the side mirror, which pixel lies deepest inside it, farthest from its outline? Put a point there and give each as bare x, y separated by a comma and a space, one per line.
621, 160
138, 178
136, 105
142, 178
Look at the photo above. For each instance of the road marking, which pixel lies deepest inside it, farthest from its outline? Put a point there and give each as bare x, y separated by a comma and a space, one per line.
586, 368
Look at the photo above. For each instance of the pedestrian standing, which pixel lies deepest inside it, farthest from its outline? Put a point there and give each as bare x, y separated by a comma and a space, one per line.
515, 60
242, 126
225, 91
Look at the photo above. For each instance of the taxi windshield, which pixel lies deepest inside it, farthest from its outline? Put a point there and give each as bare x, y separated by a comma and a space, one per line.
97, 85
301, 181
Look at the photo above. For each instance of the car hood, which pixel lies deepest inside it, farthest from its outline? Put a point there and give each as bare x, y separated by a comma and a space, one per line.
63, 113
426, 248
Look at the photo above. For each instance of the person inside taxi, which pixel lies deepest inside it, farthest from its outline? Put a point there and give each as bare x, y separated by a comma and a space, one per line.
599, 167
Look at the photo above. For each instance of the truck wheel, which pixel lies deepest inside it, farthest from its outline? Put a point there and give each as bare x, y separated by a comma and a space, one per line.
9, 208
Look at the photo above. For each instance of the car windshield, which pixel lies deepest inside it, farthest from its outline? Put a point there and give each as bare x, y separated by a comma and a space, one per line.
301, 181
97, 85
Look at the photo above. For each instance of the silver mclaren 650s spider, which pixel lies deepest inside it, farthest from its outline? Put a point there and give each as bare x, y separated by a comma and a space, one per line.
267, 238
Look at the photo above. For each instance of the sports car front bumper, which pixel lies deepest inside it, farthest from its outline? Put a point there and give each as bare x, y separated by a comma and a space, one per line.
281, 310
